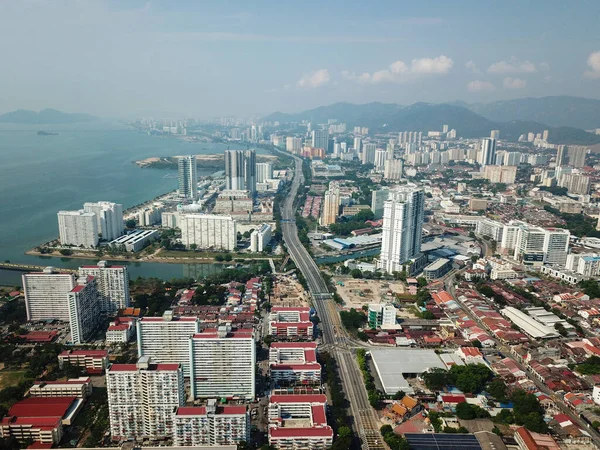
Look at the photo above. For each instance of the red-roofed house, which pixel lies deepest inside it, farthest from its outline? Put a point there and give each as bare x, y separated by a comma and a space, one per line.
290, 323
292, 363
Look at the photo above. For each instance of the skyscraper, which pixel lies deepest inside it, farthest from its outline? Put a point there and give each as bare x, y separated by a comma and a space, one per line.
393, 169
331, 205
250, 171
113, 285
84, 304
109, 217
46, 294
78, 228
264, 172
562, 156
577, 155
240, 170
357, 145
320, 139
380, 157
187, 177
293, 144
402, 227
368, 154
488, 152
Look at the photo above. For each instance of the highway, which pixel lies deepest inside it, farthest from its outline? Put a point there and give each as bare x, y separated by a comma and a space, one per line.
366, 422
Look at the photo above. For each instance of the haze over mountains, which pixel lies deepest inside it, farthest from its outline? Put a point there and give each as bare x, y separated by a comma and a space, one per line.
44, 117
566, 117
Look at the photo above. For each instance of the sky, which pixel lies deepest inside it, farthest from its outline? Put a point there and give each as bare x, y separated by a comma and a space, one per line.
126, 59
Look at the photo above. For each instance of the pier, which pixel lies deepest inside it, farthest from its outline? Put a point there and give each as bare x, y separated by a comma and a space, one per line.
32, 268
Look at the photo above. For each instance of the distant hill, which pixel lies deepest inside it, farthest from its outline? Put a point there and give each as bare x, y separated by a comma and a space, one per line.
428, 116
44, 117
555, 111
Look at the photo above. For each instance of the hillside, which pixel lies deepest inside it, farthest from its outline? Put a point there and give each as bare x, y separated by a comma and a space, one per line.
555, 111
428, 116
44, 117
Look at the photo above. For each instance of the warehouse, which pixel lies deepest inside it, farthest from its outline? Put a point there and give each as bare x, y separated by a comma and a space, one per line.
528, 324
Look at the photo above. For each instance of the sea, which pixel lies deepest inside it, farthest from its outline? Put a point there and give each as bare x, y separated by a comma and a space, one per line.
40, 175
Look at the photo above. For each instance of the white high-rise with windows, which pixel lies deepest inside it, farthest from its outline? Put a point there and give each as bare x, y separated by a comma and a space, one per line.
142, 398
293, 144
264, 172
78, 228
208, 231
109, 218
84, 304
223, 364
368, 153
260, 238
187, 177
113, 285
240, 170
535, 245
46, 294
488, 152
402, 227
331, 205
320, 139
166, 339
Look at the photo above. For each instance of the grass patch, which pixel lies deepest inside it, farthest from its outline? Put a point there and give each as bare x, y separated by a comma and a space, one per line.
11, 378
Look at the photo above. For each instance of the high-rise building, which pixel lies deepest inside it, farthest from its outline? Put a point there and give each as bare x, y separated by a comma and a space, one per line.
187, 177
250, 171
264, 172
393, 169
208, 231
109, 217
166, 339
142, 398
357, 145
294, 363
500, 174
380, 156
577, 155
113, 285
402, 227
444, 128
46, 294
78, 228
368, 153
381, 315
260, 238
575, 184
210, 425
562, 156
488, 152
222, 363
545, 135
512, 158
293, 145
535, 245
84, 304
320, 139
378, 198
331, 205
495, 134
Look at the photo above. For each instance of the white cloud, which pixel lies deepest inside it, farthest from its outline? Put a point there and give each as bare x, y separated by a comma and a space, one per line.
314, 80
594, 63
399, 71
544, 66
514, 83
512, 66
480, 86
441, 64
470, 65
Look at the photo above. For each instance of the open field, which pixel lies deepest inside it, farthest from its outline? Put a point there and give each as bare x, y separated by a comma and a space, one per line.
358, 292
10, 377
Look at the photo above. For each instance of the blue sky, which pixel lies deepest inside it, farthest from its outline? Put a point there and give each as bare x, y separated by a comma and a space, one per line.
205, 59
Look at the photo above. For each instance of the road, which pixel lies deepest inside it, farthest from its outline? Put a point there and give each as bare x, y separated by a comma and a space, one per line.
449, 284
366, 422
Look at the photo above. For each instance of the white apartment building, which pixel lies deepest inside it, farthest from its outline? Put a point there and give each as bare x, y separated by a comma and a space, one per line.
208, 231
393, 169
109, 218
121, 330
586, 264
260, 238
491, 228
378, 198
534, 245
264, 172
294, 363
291, 323
293, 144
380, 157
73, 387
222, 364
381, 315
187, 177
93, 361
46, 294
113, 285
166, 339
142, 398
298, 422
78, 228
210, 425
488, 152
84, 305
402, 227
368, 153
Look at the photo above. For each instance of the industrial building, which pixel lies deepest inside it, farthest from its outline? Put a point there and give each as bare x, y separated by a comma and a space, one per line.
136, 240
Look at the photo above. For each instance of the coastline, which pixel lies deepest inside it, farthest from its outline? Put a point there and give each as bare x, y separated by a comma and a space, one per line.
212, 161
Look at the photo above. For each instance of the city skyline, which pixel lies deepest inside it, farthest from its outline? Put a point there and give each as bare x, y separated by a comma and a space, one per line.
197, 55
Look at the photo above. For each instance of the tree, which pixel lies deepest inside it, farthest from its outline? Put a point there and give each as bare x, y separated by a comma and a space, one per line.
356, 273
65, 252
344, 432
131, 223
497, 389
399, 395
428, 315
193, 246
466, 411
436, 378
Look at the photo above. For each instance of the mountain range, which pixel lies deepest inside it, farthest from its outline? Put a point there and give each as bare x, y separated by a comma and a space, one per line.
564, 117
44, 117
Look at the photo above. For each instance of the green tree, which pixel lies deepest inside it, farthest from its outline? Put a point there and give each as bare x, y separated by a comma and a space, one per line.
344, 432
356, 273
131, 223
497, 389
